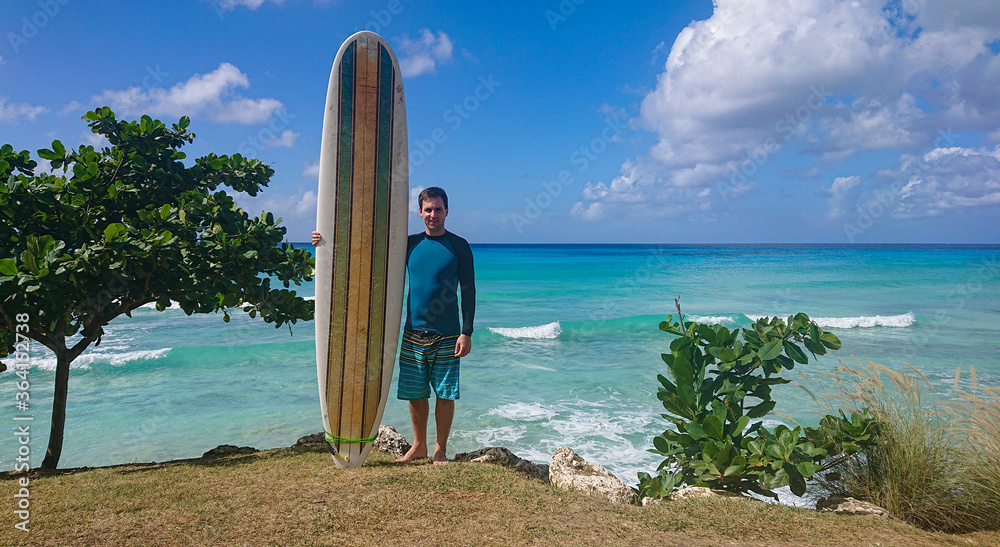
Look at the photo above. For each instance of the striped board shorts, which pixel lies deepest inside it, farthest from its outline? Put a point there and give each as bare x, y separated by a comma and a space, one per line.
427, 359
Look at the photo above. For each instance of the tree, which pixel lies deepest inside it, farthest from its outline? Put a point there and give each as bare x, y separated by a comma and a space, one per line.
130, 225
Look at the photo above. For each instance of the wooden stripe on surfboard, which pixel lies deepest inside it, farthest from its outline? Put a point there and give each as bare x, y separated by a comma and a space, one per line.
380, 251
357, 326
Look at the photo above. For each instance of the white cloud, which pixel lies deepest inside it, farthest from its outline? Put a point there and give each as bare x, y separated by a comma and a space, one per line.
71, 107
414, 194
311, 171
11, 113
838, 192
96, 140
833, 78
285, 140
288, 207
589, 213
422, 55
870, 125
211, 95
229, 5
941, 181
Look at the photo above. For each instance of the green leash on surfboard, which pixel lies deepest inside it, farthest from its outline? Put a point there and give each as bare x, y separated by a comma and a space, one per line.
334, 439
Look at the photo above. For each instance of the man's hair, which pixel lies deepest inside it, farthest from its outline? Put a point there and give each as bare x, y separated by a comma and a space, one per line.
432, 192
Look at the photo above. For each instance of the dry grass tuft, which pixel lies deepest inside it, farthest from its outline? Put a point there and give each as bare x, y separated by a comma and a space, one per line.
935, 466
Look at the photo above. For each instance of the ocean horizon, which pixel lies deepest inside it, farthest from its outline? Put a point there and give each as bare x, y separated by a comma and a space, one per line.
565, 353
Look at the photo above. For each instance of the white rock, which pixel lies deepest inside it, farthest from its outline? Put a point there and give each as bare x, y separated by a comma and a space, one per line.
849, 506
570, 471
390, 441
700, 492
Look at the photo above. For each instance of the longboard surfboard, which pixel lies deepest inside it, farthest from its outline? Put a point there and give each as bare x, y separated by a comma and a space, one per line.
360, 264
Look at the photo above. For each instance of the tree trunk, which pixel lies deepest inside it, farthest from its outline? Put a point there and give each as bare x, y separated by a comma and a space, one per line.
63, 359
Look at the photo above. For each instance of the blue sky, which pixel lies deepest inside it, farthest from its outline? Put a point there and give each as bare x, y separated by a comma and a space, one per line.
572, 120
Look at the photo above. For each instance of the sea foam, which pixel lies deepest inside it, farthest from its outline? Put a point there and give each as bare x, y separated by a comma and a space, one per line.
865, 321
86, 359
710, 319
548, 331
860, 321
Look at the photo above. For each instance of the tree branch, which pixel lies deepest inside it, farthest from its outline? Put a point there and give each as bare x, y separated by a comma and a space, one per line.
680, 318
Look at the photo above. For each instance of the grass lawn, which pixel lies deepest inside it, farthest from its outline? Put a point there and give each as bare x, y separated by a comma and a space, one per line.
296, 496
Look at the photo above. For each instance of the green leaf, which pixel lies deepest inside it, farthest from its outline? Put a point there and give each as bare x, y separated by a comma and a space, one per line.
807, 469
661, 444
737, 467
28, 259
814, 332
683, 374
739, 426
667, 384
796, 483
814, 346
165, 211
761, 410
755, 446
8, 266
114, 230
830, 340
713, 427
799, 321
795, 352
770, 350
695, 430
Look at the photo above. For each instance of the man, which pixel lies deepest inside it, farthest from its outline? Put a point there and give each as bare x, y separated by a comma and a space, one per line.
436, 335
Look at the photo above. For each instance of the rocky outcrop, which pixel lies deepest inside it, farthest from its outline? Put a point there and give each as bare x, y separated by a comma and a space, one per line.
850, 506
501, 456
570, 471
228, 450
390, 441
315, 438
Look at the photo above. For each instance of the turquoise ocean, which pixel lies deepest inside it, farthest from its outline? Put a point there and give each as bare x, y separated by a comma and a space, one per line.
565, 353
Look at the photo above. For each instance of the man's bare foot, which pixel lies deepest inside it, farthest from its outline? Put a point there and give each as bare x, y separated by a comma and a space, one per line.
440, 457
414, 453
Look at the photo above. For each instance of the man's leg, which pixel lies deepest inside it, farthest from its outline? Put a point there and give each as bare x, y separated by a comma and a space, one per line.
444, 412
419, 412
414, 386
444, 379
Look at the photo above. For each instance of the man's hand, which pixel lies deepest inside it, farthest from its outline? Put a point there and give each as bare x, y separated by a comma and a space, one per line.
463, 345
316, 238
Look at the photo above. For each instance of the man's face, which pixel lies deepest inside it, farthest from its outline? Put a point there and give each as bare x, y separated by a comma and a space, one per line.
433, 212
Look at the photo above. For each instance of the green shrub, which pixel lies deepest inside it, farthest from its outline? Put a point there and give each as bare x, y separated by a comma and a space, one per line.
719, 389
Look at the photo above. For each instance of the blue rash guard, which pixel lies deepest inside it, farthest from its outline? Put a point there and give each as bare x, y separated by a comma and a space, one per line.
438, 267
